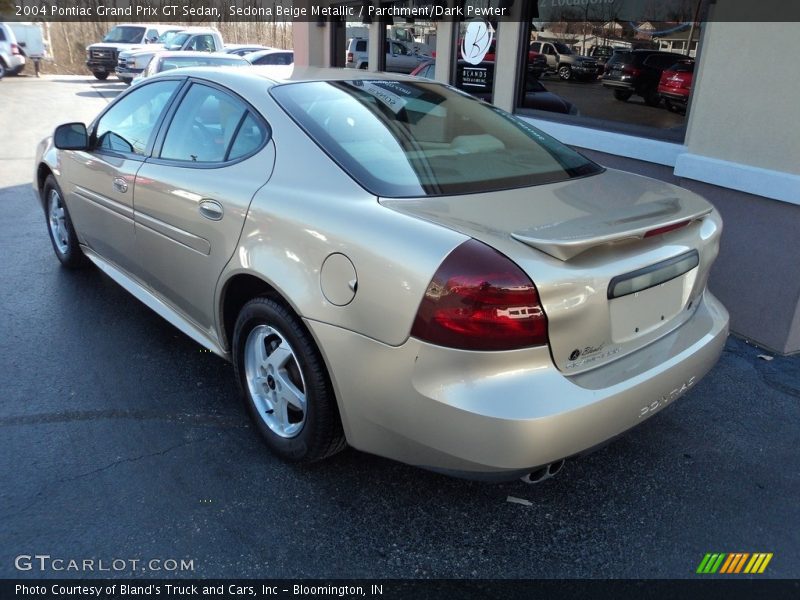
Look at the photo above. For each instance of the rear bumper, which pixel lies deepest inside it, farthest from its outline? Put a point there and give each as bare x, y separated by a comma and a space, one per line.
500, 415
618, 85
674, 96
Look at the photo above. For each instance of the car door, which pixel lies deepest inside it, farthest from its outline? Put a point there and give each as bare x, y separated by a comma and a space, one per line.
399, 59
100, 182
193, 195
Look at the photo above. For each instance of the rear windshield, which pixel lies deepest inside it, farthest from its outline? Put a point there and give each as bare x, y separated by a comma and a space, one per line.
403, 139
123, 34
682, 67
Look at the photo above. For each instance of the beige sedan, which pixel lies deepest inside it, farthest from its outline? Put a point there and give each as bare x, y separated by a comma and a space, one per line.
392, 264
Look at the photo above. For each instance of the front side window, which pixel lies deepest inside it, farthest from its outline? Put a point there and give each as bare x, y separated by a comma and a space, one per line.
130, 123
202, 43
404, 139
203, 126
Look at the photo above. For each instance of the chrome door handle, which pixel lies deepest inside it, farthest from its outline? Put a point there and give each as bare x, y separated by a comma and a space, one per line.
120, 185
211, 209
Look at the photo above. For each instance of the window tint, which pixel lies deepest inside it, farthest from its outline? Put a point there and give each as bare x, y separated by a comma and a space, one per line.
249, 138
129, 124
203, 126
361, 46
2, 35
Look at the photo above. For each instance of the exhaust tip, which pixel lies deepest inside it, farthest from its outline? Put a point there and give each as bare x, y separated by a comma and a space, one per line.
555, 467
545, 472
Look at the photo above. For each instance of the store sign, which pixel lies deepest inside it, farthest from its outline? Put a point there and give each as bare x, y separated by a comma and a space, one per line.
477, 41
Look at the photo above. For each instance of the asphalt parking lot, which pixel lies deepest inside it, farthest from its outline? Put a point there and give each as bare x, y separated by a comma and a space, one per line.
123, 439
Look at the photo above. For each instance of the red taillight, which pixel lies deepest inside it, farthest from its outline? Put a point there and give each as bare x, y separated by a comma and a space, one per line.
349, 57
480, 300
666, 229
14, 49
632, 71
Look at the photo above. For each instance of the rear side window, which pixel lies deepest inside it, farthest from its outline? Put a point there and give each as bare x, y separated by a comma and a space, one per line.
249, 138
409, 139
2, 35
211, 126
361, 46
128, 125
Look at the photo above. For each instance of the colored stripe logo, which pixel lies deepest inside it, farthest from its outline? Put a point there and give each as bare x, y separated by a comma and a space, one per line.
734, 563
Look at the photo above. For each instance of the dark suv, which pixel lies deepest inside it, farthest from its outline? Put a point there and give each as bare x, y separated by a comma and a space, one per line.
630, 72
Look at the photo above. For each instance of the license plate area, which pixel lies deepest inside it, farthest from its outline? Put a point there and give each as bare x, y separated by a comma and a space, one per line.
646, 300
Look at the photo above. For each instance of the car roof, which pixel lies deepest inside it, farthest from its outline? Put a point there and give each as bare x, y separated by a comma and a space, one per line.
193, 54
280, 74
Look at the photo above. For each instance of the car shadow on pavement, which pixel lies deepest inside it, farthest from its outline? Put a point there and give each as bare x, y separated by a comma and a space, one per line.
107, 94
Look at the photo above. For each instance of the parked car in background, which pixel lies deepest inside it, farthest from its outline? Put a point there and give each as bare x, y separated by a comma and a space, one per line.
271, 57
478, 80
12, 60
242, 49
675, 84
168, 60
392, 264
536, 63
187, 39
630, 72
31, 43
400, 58
563, 60
101, 58
601, 54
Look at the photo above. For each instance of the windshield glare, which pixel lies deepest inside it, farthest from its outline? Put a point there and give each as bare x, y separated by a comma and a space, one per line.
403, 139
178, 40
167, 37
124, 35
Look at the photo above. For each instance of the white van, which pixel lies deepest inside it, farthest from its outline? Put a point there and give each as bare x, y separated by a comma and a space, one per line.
30, 41
12, 60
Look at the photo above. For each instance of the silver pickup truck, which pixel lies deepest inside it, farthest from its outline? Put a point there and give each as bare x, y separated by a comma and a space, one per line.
400, 58
562, 59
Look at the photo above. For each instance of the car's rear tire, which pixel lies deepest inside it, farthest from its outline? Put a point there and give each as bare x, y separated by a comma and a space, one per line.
652, 98
2, 69
622, 95
101, 75
59, 226
285, 384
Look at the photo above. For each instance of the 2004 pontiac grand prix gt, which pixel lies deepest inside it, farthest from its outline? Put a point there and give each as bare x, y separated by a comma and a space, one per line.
392, 264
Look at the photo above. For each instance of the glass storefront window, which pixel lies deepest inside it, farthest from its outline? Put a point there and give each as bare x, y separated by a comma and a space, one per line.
632, 76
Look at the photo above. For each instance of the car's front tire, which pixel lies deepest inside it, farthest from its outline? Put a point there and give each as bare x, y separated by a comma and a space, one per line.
101, 75
59, 226
565, 72
285, 384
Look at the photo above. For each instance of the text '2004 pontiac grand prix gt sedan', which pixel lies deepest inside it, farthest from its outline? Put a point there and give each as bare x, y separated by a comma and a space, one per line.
392, 264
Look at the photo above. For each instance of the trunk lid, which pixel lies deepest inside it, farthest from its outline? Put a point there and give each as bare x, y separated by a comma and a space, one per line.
607, 289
